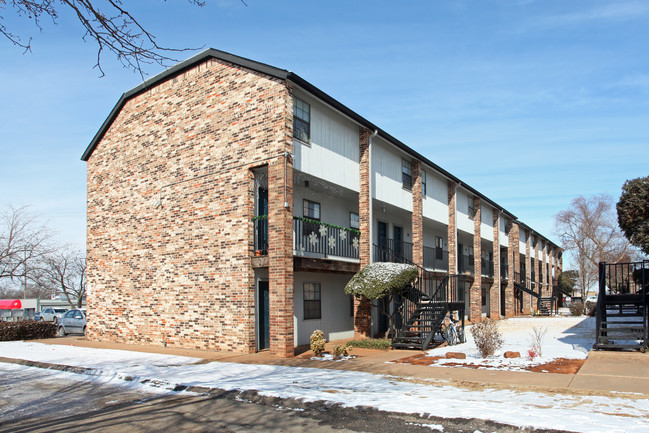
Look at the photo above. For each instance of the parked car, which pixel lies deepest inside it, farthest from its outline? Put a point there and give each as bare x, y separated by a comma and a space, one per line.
72, 322
50, 314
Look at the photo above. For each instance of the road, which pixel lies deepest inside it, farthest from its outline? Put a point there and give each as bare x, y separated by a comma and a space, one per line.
35, 400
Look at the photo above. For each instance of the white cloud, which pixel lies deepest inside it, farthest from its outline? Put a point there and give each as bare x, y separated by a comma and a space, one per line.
611, 12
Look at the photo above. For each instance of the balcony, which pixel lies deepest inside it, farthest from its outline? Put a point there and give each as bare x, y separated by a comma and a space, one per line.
261, 235
390, 250
487, 267
504, 269
435, 258
318, 239
465, 264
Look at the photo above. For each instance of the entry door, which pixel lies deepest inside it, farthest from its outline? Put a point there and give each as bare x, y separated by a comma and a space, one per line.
264, 322
398, 240
382, 242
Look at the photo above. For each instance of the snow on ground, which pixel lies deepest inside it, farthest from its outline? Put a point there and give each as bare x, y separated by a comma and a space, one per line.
350, 388
565, 337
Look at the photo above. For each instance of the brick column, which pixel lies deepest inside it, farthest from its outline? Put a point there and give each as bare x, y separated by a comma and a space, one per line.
362, 307
475, 296
528, 263
494, 291
280, 256
551, 267
452, 228
417, 216
511, 264
536, 266
545, 270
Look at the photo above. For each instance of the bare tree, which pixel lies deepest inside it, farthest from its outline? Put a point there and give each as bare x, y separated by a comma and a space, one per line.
23, 244
64, 272
589, 230
106, 22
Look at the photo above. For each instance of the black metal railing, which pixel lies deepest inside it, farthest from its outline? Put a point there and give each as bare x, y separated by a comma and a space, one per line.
435, 258
324, 240
465, 264
393, 248
487, 267
261, 235
504, 269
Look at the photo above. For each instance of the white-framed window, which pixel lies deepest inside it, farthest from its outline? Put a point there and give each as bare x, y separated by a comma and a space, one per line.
311, 210
354, 221
406, 174
312, 305
301, 120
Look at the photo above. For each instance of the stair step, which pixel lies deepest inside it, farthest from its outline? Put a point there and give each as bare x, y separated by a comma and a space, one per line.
620, 346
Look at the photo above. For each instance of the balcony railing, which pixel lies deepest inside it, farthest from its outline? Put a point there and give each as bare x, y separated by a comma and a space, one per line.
487, 267
397, 248
261, 235
465, 264
435, 258
320, 239
504, 269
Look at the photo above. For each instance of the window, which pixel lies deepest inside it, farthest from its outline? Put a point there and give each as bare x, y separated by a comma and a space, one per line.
311, 210
406, 174
301, 120
354, 222
312, 301
423, 184
471, 209
439, 248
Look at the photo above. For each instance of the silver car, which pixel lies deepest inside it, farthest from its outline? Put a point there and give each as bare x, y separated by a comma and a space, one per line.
72, 322
50, 314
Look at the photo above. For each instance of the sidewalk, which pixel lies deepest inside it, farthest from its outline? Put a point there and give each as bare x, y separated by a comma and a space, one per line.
603, 372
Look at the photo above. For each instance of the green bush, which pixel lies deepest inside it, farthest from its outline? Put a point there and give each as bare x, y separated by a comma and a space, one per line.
317, 342
340, 351
371, 343
26, 330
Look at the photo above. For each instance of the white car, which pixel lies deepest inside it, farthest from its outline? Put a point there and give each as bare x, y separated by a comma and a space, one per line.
591, 299
50, 314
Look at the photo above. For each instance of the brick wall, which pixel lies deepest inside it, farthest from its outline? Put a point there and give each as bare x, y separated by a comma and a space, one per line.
362, 308
417, 215
452, 228
475, 296
178, 273
494, 291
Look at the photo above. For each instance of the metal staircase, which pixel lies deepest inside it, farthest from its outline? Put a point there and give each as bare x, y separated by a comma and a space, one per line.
622, 306
420, 312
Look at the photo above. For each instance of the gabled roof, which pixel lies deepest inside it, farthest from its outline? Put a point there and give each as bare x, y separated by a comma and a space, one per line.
281, 74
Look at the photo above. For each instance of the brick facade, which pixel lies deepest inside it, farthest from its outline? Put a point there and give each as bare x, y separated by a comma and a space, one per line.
362, 307
169, 209
494, 290
475, 296
417, 215
512, 252
452, 228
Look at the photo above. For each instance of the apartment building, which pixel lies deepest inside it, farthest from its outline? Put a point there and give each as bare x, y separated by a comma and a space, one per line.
229, 202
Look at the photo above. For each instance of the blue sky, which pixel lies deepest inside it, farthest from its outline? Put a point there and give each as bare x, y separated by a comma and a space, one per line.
531, 102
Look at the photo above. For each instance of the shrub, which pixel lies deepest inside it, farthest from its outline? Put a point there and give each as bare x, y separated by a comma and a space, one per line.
371, 343
487, 337
536, 340
576, 308
317, 342
26, 330
590, 309
341, 350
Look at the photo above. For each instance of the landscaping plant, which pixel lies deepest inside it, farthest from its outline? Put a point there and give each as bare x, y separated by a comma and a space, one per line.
317, 342
536, 340
487, 337
340, 351
577, 308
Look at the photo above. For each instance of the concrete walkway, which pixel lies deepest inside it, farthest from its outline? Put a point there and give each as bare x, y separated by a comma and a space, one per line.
603, 372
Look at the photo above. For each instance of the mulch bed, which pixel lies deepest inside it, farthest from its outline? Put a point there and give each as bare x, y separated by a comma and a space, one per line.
559, 365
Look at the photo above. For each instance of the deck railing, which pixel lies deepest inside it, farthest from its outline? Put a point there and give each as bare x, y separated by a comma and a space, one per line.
465, 264
261, 235
435, 258
320, 239
391, 247
487, 267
